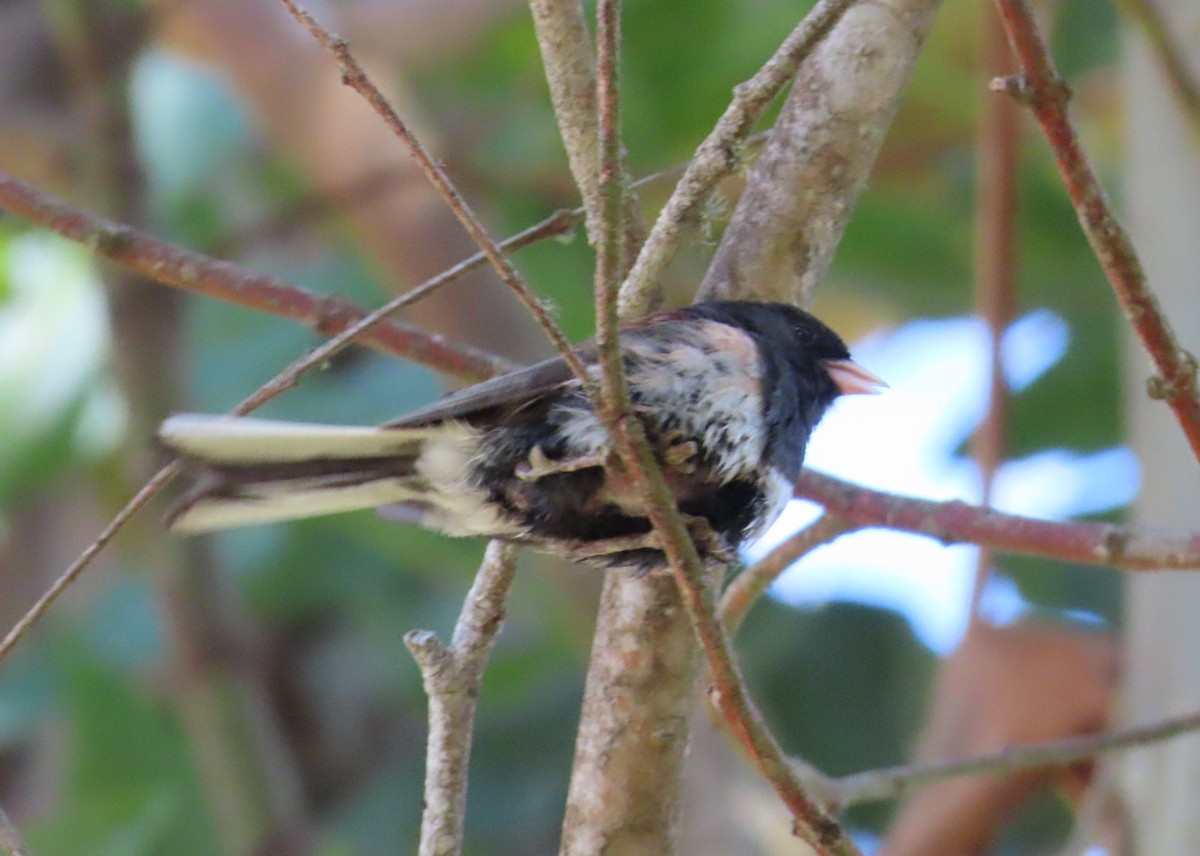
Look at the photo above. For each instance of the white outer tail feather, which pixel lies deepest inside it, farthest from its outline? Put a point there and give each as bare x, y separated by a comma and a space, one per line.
286, 501
232, 441
243, 440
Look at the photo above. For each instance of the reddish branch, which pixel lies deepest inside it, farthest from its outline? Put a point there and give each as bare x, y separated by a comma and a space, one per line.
1126, 547
192, 271
1047, 95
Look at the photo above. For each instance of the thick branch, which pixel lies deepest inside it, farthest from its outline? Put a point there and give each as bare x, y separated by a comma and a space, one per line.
566, 49
720, 154
452, 677
633, 726
192, 271
1129, 548
802, 189
1046, 94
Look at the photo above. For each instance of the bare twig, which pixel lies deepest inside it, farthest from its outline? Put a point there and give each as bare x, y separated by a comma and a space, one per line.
1046, 94
893, 781
192, 271
10, 839
751, 583
1130, 548
801, 192
1174, 65
452, 676
148, 490
719, 154
354, 77
282, 382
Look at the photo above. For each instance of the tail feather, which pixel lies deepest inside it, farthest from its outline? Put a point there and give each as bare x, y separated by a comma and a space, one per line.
229, 439
257, 471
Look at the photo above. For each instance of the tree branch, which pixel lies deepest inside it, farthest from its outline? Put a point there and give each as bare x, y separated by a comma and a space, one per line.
803, 188
566, 50
891, 782
1129, 548
452, 677
192, 271
720, 154
633, 728
1046, 94
357, 79
753, 582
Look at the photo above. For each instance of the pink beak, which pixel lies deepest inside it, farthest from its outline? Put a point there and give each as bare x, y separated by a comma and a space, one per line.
853, 379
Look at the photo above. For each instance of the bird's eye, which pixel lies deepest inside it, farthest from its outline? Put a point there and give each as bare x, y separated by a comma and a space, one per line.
804, 335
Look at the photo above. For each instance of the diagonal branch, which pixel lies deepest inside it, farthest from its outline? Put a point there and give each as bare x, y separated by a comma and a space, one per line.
566, 50
357, 79
1040, 87
452, 676
753, 582
800, 194
891, 782
186, 269
720, 154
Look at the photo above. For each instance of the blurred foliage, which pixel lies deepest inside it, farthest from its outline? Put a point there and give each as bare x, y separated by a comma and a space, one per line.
843, 683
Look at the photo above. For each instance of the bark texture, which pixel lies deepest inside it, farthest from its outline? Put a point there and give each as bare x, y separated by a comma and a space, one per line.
805, 184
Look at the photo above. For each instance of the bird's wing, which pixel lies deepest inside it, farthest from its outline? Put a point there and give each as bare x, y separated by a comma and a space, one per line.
523, 385
514, 388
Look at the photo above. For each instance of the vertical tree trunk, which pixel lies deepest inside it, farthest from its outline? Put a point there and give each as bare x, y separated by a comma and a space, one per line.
1160, 785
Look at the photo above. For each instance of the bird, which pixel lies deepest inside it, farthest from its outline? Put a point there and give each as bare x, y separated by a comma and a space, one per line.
727, 392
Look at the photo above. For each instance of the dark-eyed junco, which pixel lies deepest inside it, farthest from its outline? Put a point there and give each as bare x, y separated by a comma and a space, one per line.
728, 392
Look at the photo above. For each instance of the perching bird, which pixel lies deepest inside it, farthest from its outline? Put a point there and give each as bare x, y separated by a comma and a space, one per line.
728, 393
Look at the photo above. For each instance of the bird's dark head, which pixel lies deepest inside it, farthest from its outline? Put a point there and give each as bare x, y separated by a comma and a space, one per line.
806, 365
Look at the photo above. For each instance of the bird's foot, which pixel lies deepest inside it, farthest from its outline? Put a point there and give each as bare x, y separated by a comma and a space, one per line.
538, 465
679, 453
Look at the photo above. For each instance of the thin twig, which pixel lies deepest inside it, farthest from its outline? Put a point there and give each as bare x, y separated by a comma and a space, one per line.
282, 382
1166, 49
452, 676
750, 584
148, 490
357, 79
10, 839
181, 268
1046, 94
1129, 548
720, 154
893, 781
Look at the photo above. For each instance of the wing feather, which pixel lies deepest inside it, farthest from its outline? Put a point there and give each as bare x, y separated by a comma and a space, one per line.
509, 390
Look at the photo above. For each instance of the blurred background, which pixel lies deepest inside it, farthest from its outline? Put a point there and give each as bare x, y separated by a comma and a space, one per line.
187, 695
